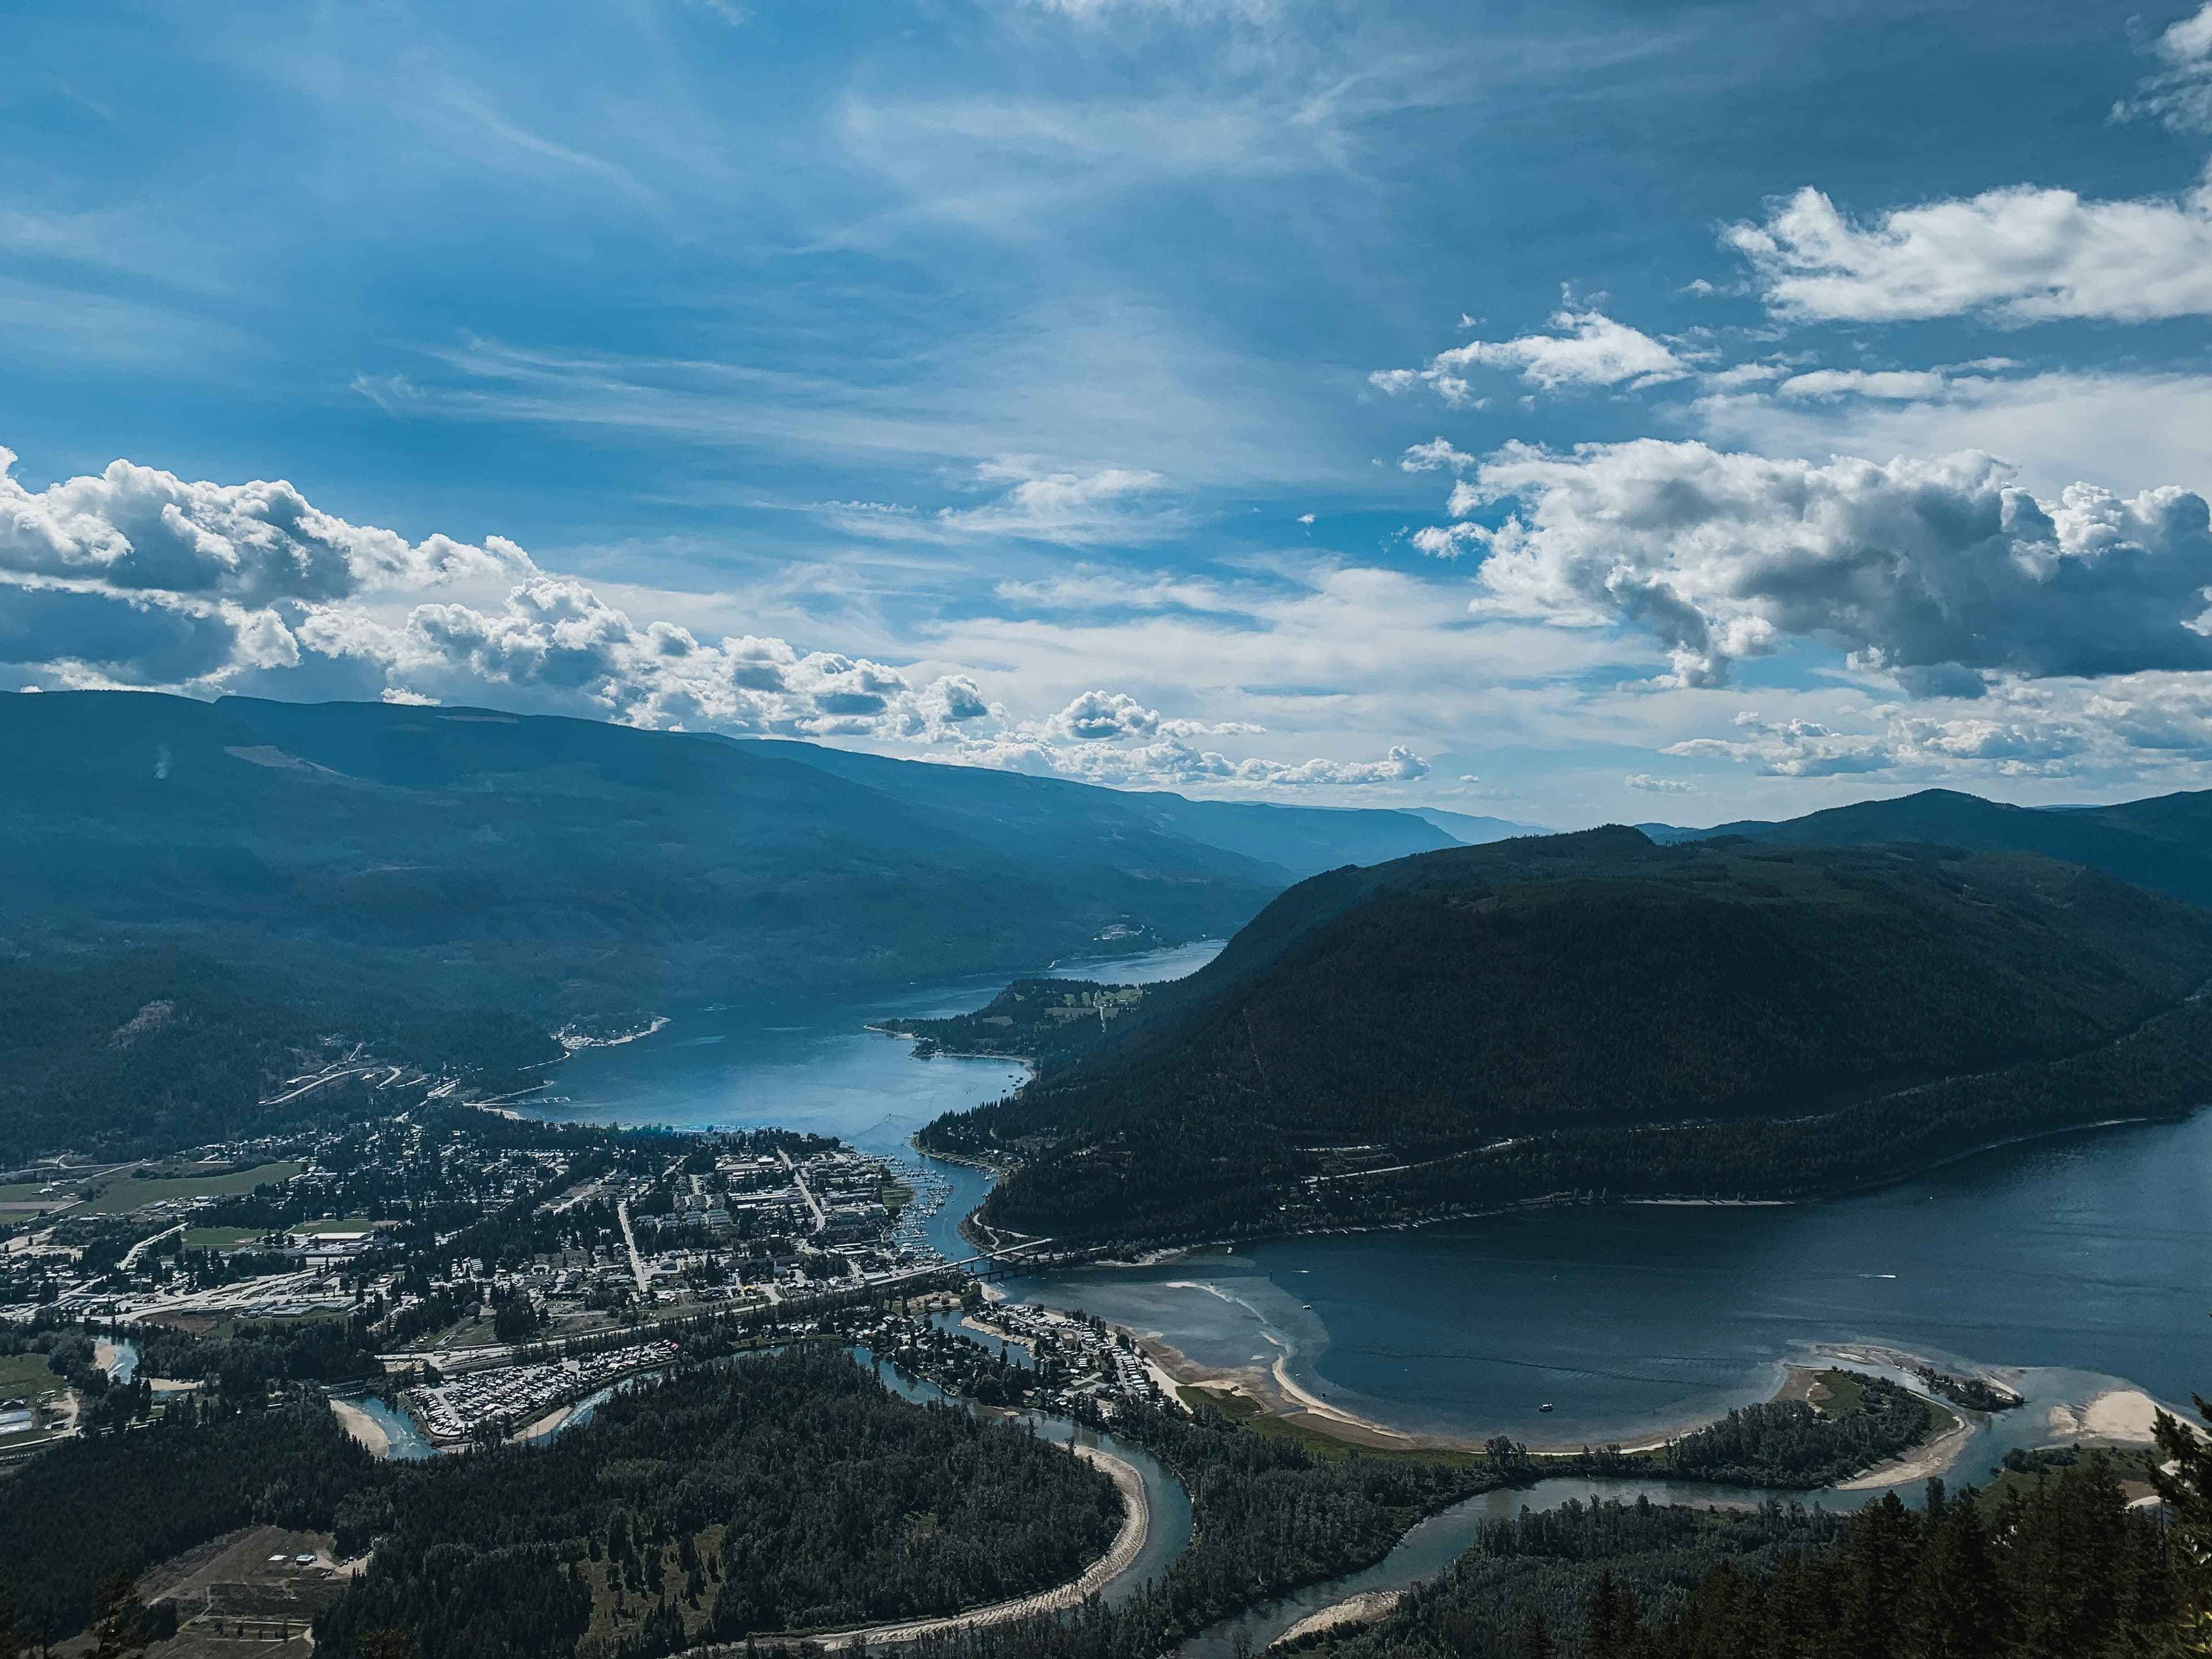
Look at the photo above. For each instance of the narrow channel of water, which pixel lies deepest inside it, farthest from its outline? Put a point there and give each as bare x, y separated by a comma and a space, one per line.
1170, 1520
2070, 1264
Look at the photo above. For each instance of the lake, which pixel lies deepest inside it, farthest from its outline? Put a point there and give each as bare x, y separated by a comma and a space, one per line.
2079, 1257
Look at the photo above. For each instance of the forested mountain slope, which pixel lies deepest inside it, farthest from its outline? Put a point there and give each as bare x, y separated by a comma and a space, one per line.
1293, 841
553, 866
1594, 1013
2164, 844
145, 1051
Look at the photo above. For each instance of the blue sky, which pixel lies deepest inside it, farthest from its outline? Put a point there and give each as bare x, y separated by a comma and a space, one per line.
1568, 413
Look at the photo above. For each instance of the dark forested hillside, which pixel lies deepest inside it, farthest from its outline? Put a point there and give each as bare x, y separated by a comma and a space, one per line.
150, 1050
2163, 844
786, 1492
117, 1501
2063, 1570
1594, 1013
1047, 1020
556, 866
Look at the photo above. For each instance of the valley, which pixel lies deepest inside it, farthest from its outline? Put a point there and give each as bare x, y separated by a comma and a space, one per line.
1587, 1349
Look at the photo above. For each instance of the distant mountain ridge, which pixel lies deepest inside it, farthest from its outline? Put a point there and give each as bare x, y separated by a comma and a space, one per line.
1297, 841
1595, 1013
2163, 844
567, 867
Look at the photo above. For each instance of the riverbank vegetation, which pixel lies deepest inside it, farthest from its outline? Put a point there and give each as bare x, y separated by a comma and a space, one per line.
1049, 1021
784, 1492
1593, 1015
2060, 1570
115, 1503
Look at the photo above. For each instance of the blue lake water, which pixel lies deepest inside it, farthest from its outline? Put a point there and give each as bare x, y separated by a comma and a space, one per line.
2085, 1253
2076, 1263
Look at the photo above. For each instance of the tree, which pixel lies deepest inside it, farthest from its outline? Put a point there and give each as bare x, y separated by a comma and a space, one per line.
1535, 1636
2185, 1482
11, 1641
116, 1629
388, 1642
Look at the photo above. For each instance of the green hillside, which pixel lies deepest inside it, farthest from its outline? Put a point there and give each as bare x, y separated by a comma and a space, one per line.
1593, 1012
148, 1050
561, 867
2160, 844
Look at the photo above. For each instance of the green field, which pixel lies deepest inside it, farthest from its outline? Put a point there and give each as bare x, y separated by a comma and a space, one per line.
25, 1377
1846, 1394
218, 1239
27, 1193
121, 1194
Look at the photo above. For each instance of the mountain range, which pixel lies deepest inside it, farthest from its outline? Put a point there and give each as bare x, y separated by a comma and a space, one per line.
570, 868
1599, 1014
2164, 844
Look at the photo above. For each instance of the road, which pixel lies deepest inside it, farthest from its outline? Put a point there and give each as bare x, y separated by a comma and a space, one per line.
636, 1261
821, 1221
131, 1257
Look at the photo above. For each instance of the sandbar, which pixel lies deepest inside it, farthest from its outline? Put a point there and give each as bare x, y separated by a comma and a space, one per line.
362, 1427
1361, 1609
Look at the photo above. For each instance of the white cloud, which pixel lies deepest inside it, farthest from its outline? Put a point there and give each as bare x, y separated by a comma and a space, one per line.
2017, 255
1171, 762
1793, 749
137, 578
1891, 385
1590, 350
1646, 784
1435, 456
133, 528
1929, 570
1112, 504
2180, 95
1105, 716
2133, 430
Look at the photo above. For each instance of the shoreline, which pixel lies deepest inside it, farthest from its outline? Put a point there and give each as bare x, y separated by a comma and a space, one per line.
1127, 1545
1151, 1255
364, 1429
2113, 1417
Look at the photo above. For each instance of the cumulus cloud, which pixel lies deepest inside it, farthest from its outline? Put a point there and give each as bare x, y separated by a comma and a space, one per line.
1435, 456
1930, 570
1105, 716
1171, 762
1646, 784
135, 577
133, 528
2016, 256
2180, 95
1589, 350
1793, 749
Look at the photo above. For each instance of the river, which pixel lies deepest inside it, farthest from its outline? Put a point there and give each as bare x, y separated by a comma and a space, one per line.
2075, 1263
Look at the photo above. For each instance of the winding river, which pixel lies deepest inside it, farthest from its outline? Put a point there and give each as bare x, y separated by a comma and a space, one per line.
2073, 1265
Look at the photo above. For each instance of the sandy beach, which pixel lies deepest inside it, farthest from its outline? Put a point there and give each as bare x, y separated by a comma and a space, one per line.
362, 1427
2117, 1417
1924, 1463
